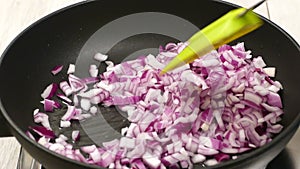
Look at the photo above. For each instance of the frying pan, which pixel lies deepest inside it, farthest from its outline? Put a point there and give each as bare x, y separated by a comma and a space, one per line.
74, 34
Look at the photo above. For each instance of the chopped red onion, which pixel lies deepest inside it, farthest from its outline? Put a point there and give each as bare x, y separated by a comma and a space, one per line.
88, 149
93, 110
76, 83
64, 98
85, 104
259, 62
57, 69
56, 147
63, 137
42, 118
221, 105
274, 99
64, 124
66, 88
48, 105
151, 160
75, 135
49, 91
69, 114
127, 143
211, 162
100, 57
71, 69
270, 71
93, 71
43, 131
95, 156
198, 158
44, 141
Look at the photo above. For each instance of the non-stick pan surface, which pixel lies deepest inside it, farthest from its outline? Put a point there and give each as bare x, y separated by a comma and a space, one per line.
76, 33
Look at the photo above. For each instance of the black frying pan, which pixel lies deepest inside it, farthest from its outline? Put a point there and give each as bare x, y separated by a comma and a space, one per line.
71, 35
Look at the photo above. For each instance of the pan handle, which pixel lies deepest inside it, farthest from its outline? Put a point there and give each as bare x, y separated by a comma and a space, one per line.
4, 130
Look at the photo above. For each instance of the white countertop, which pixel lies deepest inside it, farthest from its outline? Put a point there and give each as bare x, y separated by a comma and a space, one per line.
15, 15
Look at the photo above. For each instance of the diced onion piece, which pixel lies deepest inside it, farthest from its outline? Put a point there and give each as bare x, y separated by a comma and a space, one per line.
85, 104
198, 158
270, 71
64, 98
66, 88
259, 62
100, 57
75, 135
48, 105
211, 162
88, 149
42, 118
151, 160
93, 110
49, 91
64, 124
57, 69
71, 69
43, 131
93, 71
69, 114
252, 98
127, 143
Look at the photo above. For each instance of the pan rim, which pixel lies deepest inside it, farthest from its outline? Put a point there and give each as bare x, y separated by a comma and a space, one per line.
251, 155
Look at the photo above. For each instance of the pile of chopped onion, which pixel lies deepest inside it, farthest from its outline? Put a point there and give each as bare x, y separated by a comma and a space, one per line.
209, 111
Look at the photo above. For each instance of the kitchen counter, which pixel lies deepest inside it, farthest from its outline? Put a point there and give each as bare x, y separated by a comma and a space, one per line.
16, 15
